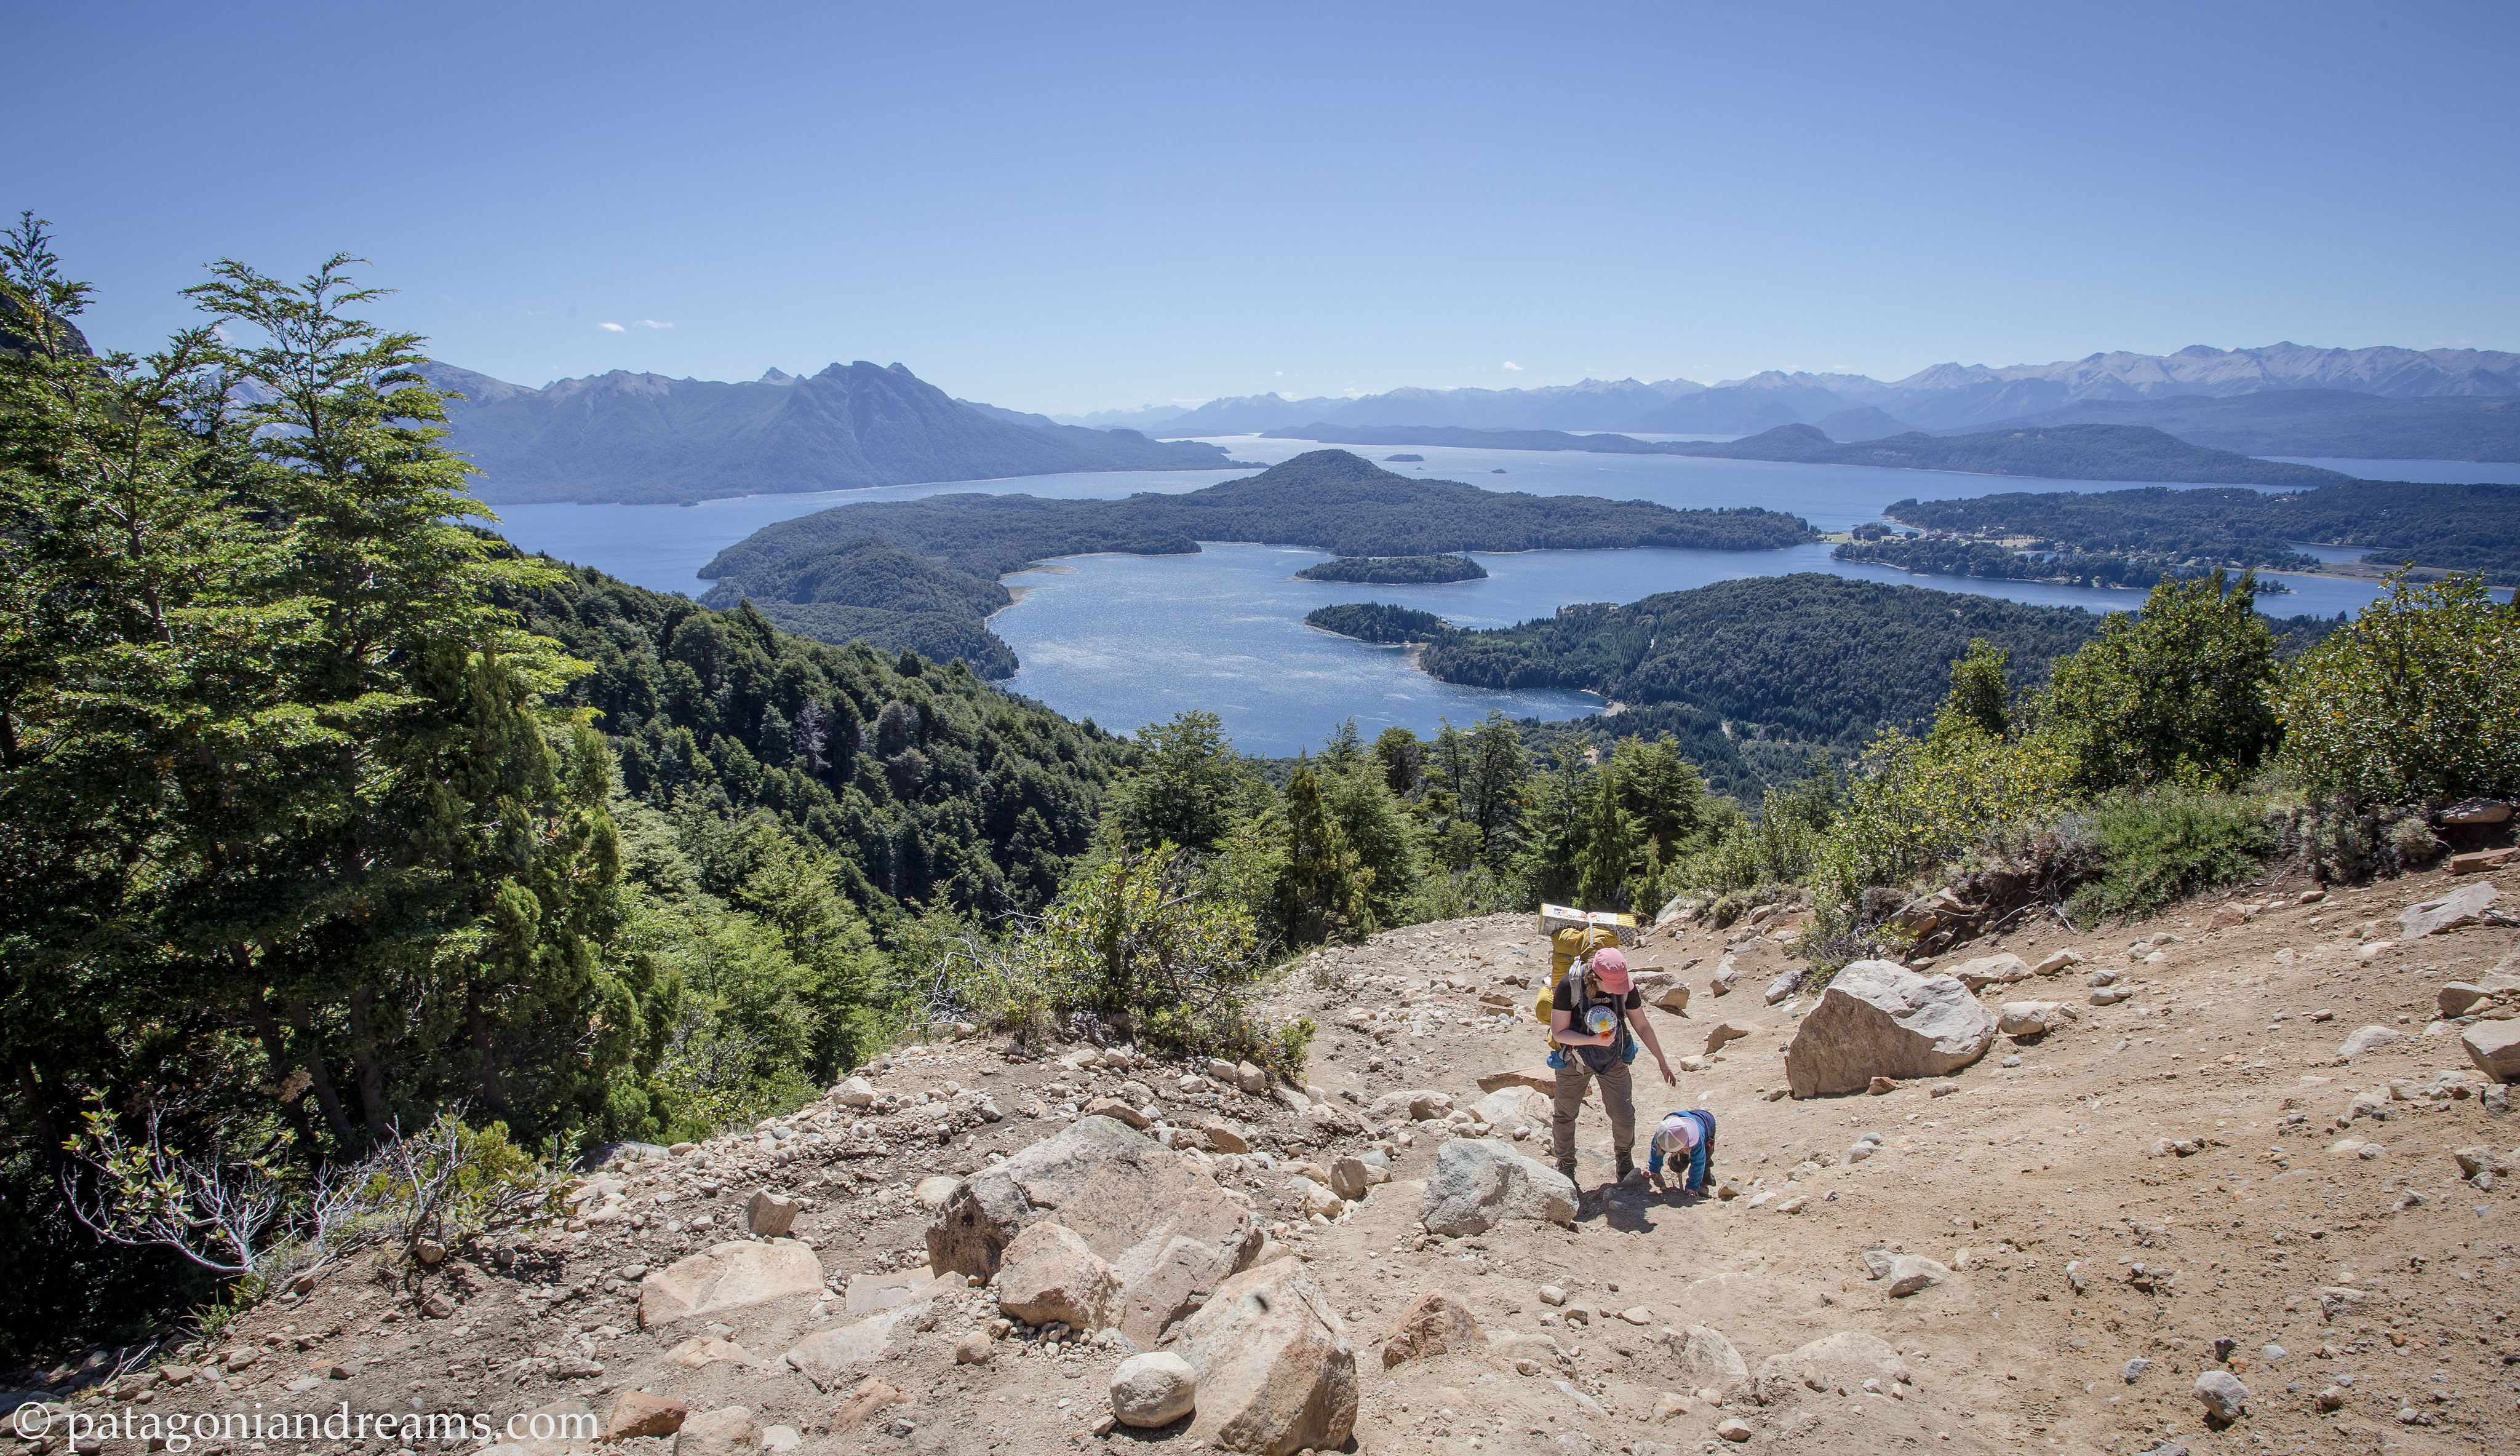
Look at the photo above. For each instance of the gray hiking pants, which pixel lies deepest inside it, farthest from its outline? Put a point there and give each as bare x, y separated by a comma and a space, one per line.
1618, 1099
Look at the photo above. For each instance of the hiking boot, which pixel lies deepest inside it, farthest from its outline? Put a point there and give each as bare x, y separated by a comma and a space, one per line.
1566, 1167
1627, 1167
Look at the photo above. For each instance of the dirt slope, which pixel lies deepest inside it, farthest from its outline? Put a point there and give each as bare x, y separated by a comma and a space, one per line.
2377, 1276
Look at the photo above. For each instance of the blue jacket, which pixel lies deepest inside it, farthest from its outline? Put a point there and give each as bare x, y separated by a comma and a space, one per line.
1698, 1157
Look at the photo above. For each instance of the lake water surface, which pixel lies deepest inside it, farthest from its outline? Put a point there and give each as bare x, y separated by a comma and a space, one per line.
1132, 639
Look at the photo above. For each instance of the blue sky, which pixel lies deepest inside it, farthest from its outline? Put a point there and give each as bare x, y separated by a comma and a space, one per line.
1081, 206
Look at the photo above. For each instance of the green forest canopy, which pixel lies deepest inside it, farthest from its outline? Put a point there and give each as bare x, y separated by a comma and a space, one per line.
2449, 527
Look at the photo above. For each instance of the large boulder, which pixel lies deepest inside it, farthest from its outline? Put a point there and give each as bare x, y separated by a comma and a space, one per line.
729, 1276
1877, 1019
1509, 1108
1166, 1229
1049, 1274
1839, 1363
1479, 1184
1434, 1324
2467, 905
1275, 1372
1704, 1360
2495, 1047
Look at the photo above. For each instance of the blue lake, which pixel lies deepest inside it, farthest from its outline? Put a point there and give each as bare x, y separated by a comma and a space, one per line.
1132, 639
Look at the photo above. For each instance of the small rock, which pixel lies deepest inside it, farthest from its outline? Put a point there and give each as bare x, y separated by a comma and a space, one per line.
1434, 1323
1119, 1111
427, 1251
1154, 1390
767, 1214
779, 1439
2366, 1038
1050, 1273
1550, 1294
2134, 1369
1878, 1087
1721, 1032
1914, 1273
1733, 1429
637, 1413
974, 1349
856, 1091
870, 1396
935, 1190
1251, 1079
2495, 1047
2223, 1396
1226, 1135
2061, 961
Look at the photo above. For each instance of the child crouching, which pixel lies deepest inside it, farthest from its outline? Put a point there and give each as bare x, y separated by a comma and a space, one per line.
1687, 1140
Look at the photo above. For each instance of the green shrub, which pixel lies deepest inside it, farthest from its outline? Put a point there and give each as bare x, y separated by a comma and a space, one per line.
2419, 698
2165, 844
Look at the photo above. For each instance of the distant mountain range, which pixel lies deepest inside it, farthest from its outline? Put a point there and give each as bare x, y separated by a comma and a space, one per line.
2063, 452
642, 438
2349, 416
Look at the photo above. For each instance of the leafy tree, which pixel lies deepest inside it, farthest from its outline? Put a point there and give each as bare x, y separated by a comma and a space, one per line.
2419, 698
1323, 891
1378, 830
2176, 693
1980, 699
1402, 758
1183, 789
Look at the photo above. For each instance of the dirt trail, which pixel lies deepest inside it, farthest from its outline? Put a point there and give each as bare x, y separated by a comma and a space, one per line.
2179, 1152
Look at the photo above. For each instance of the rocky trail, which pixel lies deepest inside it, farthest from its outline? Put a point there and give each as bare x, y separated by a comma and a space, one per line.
2229, 1180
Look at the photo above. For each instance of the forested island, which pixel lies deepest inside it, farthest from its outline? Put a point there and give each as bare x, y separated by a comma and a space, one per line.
2447, 527
2068, 451
821, 573
1378, 621
1395, 571
1942, 555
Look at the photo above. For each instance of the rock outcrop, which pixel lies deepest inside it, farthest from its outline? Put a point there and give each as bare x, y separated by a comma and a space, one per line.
729, 1276
1275, 1371
1876, 1019
1168, 1232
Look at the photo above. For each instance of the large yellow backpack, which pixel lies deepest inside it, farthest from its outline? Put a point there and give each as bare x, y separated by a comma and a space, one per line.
1564, 948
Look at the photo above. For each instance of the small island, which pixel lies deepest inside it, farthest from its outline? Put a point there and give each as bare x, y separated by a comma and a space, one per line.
1378, 621
1410, 460
1395, 571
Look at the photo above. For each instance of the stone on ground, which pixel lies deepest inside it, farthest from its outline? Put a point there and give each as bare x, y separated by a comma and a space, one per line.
856, 1091
1275, 1372
729, 1430
873, 1294
1663, 990
694, 1354
1721, 1032
2467, 905
1914, 1273
1166, 1229
729, 1276
825, 1358
870, 1396
1154, 1390
1515, 1107
1992, 970
637, 1413
1842, 1361
2033, 1018
1351, 1177
2366, 1038
1784, 986
1434, 1324
1226, 1135
2222, 1395
1479, 1184
1704, 1360
1048, 1273
1876, 1019
934, 1190
1537, 1079
767, 1214
2495, 1047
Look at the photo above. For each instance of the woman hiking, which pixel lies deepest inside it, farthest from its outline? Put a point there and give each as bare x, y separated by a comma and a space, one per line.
1598, 1019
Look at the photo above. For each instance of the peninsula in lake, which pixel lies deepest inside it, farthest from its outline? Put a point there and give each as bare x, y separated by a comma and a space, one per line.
847, 572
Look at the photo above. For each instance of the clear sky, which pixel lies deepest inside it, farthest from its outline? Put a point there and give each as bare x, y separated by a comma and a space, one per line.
1086, 205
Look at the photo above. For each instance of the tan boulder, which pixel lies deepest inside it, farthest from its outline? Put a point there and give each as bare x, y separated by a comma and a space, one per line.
1275, 1372
729, 1276
1663, 990
1992, 970
1168, 1232
1115, 1108
768, 1215
1703, 1358
1876, 1019
1434, 1324
1721, 1032
1048, 1273
2495, 1047
1154, 1390
2030, 1019
1226, 1135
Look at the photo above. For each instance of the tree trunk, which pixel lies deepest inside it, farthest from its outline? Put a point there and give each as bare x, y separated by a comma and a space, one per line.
366, 1070
258, 1012
302, 1018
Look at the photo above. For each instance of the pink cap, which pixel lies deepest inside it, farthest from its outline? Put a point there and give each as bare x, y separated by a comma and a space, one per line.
1610, 964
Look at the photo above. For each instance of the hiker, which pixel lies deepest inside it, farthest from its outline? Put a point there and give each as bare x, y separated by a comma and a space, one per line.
1688, 1138
1597, 1018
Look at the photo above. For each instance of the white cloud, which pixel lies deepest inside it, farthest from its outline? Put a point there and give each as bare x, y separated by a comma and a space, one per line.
649, 323
612, 327
1516, 367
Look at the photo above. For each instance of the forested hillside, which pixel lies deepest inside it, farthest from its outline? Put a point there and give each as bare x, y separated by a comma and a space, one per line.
2451, 527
